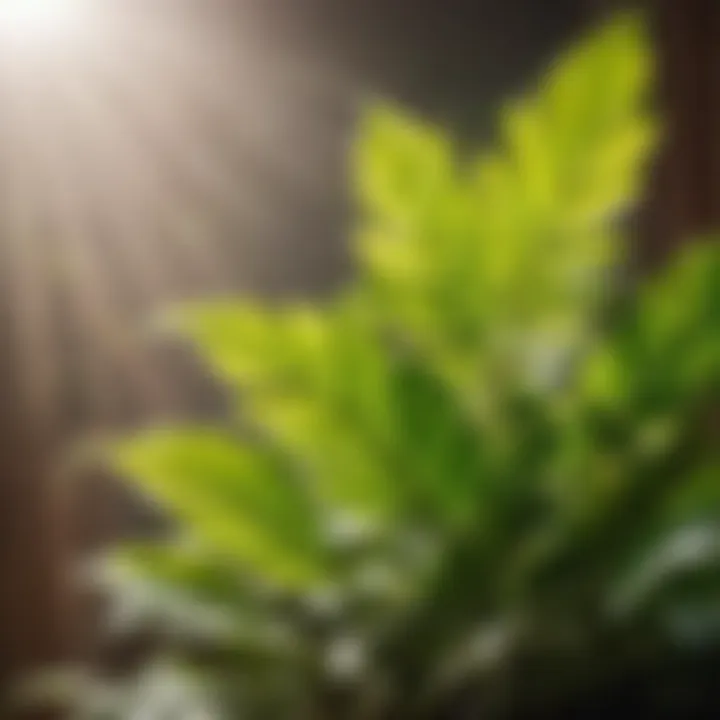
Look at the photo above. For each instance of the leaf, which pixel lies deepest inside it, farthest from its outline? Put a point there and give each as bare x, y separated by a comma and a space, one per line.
334, 396
248, 345
684, 563
183, 567
401, 164
313, 382
234, 498
471, 263
663, 354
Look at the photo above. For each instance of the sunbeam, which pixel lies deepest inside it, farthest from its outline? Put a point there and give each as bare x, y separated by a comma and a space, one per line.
147, 152
45, 26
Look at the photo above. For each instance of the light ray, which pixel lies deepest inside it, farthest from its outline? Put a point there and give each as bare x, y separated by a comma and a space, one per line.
150, 149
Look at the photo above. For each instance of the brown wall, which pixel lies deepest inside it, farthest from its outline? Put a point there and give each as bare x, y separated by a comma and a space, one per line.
685, 197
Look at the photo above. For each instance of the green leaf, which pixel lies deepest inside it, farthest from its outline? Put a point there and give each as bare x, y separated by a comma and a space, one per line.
251, 346
372, 433
237, 500
401, 165
663, 355
476, 266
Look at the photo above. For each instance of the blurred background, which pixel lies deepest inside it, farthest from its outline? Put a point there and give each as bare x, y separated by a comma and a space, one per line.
158, 150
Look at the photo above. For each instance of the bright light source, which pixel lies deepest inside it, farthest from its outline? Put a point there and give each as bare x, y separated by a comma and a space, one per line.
41, 23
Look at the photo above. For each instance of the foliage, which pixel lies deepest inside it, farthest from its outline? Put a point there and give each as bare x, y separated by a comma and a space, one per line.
493, 443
